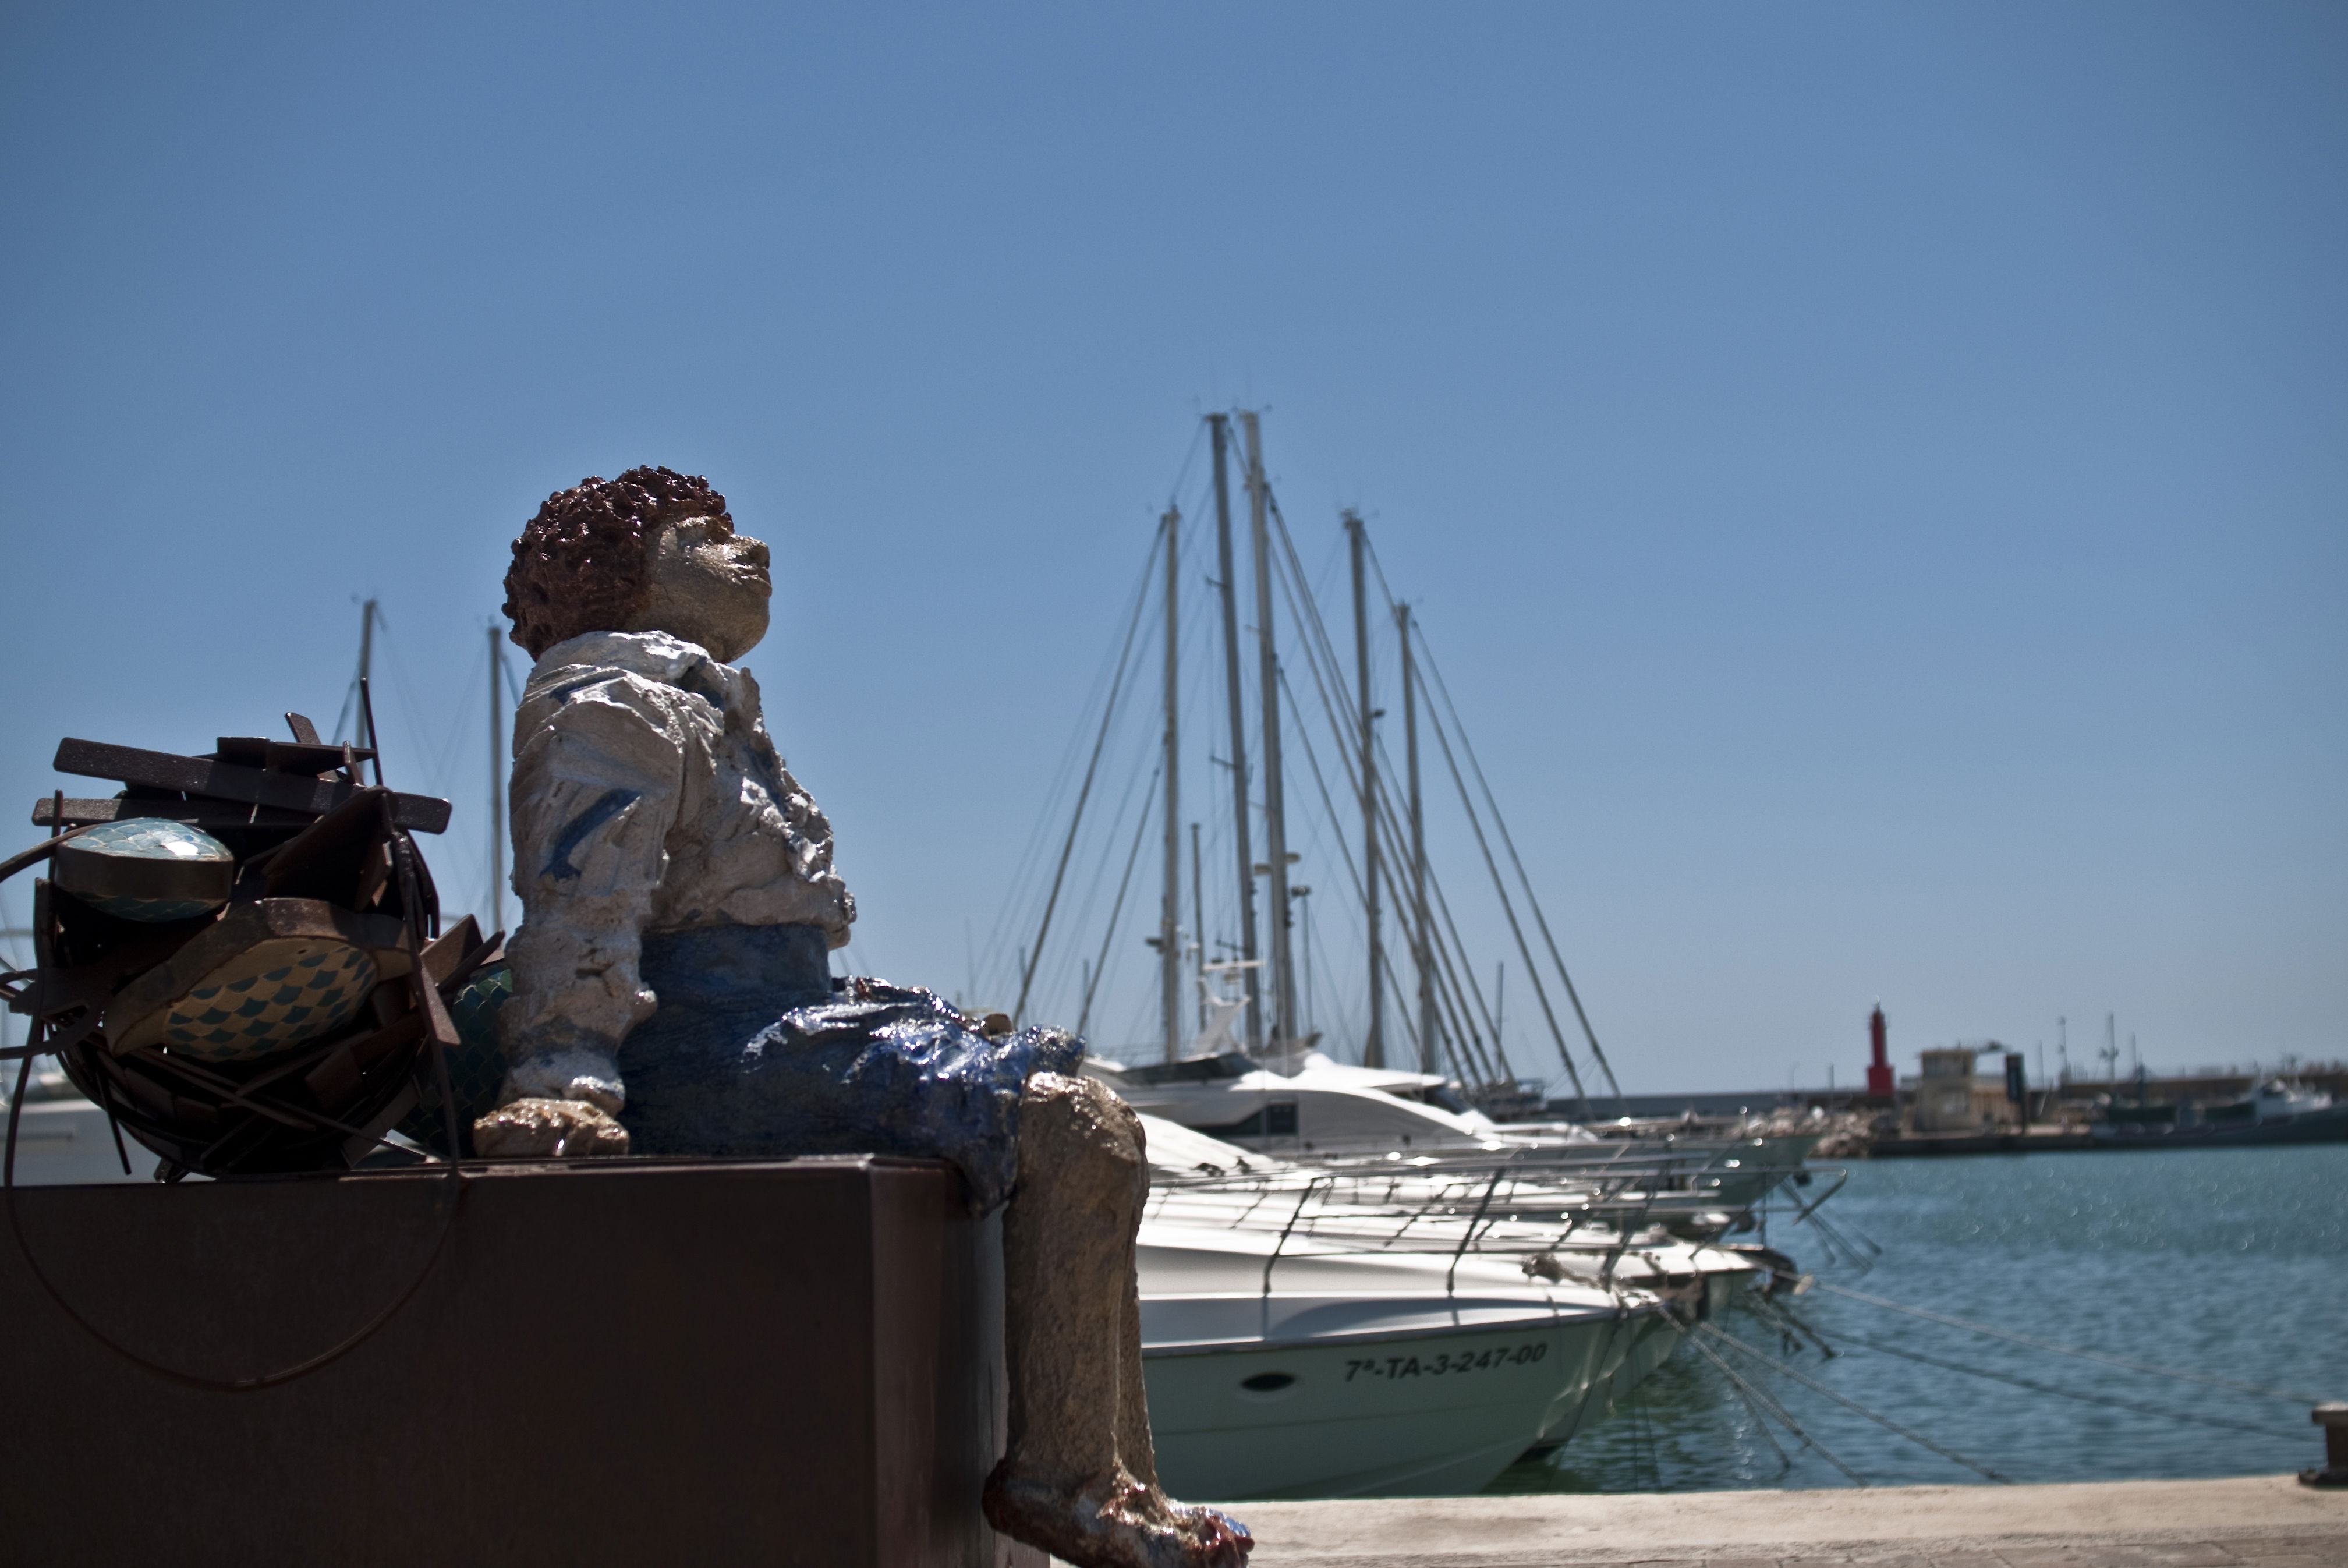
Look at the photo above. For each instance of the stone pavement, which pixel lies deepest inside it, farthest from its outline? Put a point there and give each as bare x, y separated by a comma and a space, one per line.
2256, 1522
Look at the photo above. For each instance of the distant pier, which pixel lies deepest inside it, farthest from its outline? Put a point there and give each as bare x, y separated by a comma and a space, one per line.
1988, 1140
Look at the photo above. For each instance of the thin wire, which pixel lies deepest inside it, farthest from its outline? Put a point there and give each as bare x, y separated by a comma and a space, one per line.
1108, 712
2119, 1361
1116, 909
1508, 842
1018, 892
1461, 1038
1508, 907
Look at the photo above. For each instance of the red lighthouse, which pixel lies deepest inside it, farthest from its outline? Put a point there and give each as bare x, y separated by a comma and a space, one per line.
1878, 1069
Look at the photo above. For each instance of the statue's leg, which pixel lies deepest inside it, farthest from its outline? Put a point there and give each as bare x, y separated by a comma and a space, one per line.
1079, 1480
1135, 1447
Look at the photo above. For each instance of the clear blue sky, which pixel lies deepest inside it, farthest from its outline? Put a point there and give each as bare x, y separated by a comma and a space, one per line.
1874, 475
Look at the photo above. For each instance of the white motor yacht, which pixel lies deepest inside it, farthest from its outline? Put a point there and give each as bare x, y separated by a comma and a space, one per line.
1311, 1334
1321, 1109
1280, 1368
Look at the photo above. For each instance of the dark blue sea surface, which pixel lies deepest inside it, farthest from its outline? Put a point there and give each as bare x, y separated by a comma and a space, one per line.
2232, 1265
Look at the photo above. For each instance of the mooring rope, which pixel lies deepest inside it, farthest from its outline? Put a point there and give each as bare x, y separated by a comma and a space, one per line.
2120, 1361
1752, 1393
2107, 1399
1919, 1439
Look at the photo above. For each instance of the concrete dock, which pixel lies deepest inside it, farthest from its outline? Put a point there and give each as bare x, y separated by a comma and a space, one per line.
2259, 1522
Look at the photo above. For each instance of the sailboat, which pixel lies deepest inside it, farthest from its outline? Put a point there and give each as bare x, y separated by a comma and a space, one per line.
1255, 1070
1323, 1232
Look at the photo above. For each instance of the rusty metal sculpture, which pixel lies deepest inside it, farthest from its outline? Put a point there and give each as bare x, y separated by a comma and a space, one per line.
240, 957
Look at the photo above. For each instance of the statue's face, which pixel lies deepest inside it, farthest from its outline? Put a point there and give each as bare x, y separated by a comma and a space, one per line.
709, 585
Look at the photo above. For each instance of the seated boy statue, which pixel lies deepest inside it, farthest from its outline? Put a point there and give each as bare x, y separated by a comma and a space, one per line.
672, 992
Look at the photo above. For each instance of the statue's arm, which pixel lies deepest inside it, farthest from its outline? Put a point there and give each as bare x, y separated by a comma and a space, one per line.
598, 770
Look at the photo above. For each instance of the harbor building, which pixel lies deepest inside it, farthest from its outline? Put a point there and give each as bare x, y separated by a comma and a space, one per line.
1951, 1095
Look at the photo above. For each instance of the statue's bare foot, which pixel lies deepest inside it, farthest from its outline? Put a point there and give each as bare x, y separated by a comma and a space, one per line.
548, 1129
1117, 1524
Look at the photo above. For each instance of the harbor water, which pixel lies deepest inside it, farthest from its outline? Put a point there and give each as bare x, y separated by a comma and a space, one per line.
2230, 1264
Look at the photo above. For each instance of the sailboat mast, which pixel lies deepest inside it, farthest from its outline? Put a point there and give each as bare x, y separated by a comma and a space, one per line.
1373, 1043
1170, 919
1284, 1034
1219, 426
1199, 924
1422, 945
497, 782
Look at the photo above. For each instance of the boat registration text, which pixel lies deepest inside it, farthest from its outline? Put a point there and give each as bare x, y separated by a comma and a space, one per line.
1400, 1366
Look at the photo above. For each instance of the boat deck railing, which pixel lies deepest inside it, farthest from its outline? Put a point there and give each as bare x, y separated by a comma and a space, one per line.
1499, 1207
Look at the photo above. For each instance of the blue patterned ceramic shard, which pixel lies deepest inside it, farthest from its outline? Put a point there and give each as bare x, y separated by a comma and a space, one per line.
273, 995
147, 868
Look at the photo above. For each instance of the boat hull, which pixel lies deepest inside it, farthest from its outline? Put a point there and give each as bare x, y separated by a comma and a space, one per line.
1434, 1413
2326, 1125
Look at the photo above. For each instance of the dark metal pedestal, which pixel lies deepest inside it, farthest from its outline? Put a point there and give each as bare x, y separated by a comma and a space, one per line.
627, 1361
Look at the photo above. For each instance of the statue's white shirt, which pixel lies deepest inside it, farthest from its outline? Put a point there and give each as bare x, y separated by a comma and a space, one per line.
647, 796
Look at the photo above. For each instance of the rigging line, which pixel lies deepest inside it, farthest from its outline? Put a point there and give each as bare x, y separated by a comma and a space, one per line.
1919, 1439
1318, 646
1466, 1043
1150, 749
1028, 863
2050, 1389
1573, 994
1467, 1053
1076, 820
1760, 1422
2037, 1344
1189, 456
1342, 1005
1455, 1007
1532, 971
1460, 944
1445, 985
1390, 841
515, 683
1475, 986
1117, 908
1463, 1034
1508, 842
1753, 1391
1019, 888
1443, 941
437, 762
1321, 784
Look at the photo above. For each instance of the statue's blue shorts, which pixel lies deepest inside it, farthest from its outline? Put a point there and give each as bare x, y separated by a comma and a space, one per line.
757, 1050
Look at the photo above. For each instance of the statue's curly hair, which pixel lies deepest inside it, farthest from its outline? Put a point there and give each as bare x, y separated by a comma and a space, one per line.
585, 562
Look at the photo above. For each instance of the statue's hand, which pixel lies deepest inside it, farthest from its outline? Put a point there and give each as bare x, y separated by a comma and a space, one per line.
576, 1072
548, 1129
